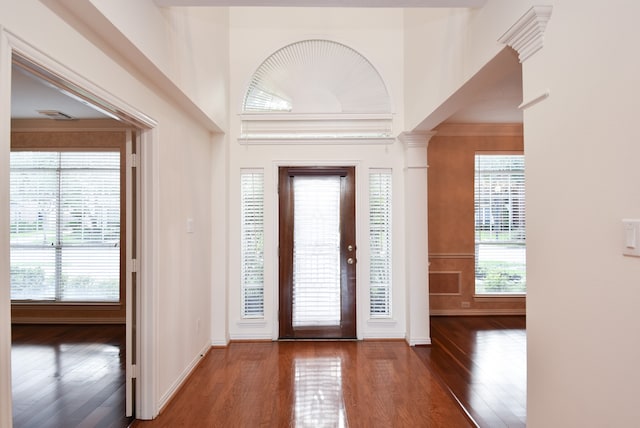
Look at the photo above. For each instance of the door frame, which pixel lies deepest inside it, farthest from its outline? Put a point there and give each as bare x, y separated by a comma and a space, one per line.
147, 202
276, 233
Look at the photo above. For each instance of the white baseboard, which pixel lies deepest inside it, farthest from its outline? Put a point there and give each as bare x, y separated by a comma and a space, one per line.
164, 400
250, 336
219, 343
416, 341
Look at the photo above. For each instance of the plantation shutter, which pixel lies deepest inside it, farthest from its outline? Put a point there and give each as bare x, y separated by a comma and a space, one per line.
65, 226
380, 243
252, 243
316, 251
500, 224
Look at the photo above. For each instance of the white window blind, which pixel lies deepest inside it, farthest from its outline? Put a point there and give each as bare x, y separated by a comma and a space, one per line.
65, 226
500, 224
252, 243
316, 251
380, 243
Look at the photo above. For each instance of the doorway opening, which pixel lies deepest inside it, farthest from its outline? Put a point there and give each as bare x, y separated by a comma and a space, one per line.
115, 121
317, 253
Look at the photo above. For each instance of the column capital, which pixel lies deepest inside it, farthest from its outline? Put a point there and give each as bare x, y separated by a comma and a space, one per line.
526, 36
416, 139
415, 148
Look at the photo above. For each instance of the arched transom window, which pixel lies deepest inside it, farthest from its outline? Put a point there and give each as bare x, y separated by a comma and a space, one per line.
304, 89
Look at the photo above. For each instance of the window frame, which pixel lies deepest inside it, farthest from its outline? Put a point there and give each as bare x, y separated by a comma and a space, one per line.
80, 141
498, 295
243, 307
388, 313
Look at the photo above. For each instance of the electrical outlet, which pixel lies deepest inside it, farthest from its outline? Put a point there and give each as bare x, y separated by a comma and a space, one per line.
465, 305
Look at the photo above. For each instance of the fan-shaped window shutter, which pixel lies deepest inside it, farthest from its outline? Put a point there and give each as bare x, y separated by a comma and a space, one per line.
316, 76
316, 91
252, 242
380, 239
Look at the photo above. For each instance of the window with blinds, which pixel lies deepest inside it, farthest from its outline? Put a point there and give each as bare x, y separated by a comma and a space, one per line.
316, 251
380, 243
500, 224
252, 243
65, 226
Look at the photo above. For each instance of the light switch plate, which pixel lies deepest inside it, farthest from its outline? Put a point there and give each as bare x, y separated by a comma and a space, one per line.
631, 237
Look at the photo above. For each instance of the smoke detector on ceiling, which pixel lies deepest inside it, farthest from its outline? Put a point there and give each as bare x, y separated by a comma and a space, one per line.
56, 115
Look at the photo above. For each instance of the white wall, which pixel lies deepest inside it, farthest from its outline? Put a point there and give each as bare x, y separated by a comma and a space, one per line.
255, 35
445, 48
184, 158
187, 45
582, 147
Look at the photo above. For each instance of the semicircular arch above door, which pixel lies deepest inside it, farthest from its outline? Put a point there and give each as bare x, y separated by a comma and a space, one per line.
316, 91
316, 76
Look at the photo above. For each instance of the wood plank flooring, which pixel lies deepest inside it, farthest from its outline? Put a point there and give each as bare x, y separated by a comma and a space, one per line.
312, 384
483, 362
68, 376
473, 374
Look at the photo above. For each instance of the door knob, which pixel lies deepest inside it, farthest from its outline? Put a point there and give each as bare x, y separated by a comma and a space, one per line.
350, 247
350, 261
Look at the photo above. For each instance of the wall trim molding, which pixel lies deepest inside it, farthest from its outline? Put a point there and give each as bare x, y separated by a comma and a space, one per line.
316, 129
452, 256
458, 273
480, 130
526, 36
476, 312
81, 125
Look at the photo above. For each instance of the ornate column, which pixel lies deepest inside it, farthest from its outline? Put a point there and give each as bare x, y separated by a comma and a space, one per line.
416, 237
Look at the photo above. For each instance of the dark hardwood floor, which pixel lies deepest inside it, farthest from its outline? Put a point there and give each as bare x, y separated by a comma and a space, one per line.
312, 384
68, 376
483, 361
474, 374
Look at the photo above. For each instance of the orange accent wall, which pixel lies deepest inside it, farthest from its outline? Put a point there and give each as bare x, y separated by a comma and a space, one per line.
451, 216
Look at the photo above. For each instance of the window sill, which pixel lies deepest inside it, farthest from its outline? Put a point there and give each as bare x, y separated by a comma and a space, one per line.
251, 322
66, 305
382, 322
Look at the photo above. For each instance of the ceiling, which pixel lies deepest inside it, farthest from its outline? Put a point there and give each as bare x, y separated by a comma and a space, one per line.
30, 94
326, 3
496, 102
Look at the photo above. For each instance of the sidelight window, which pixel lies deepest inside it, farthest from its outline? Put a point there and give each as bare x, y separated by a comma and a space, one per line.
252, 243
380, 243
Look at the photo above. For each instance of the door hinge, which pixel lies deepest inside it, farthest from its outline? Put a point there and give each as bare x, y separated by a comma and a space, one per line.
134, 265
134, 371
133, 160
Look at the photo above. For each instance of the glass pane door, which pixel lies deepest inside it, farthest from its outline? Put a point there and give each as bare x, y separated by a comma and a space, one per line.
316, 251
